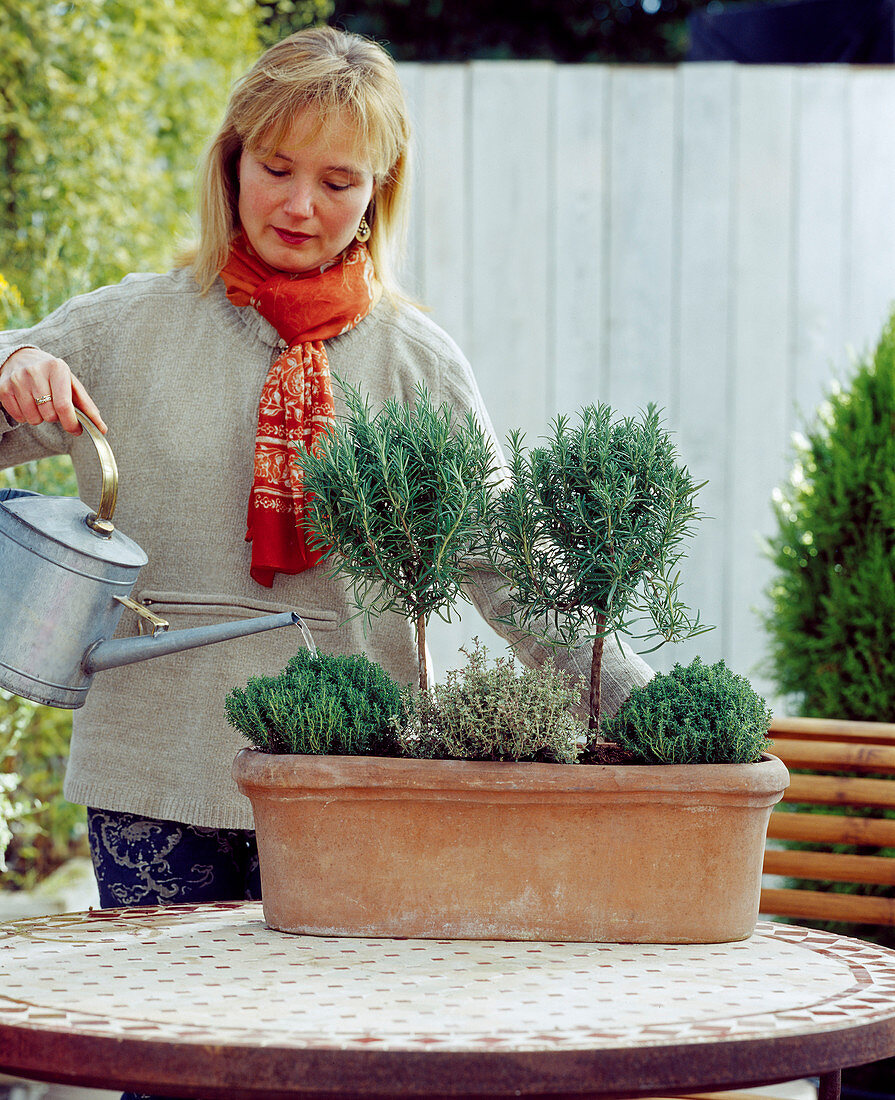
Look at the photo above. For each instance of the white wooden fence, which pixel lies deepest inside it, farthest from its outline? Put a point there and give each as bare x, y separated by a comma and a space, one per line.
717, 239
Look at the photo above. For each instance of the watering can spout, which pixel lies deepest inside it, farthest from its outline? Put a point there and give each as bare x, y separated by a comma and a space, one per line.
127, 651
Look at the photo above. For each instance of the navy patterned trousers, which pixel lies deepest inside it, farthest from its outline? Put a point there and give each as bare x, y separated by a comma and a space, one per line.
144, 861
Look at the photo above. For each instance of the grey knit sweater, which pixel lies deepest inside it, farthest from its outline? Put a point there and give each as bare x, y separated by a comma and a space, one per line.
177, 377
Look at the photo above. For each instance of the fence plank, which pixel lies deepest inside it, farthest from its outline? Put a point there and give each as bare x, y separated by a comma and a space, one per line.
819, 271
872, 256
810, 905
579, 283
761, 338
640, 238
830, 867
701, 411
442, 173
832, 829
411, 273
512, 241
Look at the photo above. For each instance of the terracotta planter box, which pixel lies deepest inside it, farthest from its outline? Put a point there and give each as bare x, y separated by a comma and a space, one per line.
367, 846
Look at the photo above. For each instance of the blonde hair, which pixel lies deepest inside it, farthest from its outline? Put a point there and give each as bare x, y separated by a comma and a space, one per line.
340, 76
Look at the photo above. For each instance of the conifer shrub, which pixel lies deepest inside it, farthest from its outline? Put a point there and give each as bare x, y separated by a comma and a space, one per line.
832, 595
694, 714
321, 703
493, 711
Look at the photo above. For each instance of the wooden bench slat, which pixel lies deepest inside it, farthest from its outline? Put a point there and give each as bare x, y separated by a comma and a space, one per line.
832, 829
834, 755
834, 729
814, 905
829, 866
838, 791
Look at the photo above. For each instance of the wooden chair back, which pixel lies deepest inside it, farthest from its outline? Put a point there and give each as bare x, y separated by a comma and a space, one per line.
857, 760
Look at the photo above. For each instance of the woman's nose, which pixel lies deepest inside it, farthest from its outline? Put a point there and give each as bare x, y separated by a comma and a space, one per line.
299, 201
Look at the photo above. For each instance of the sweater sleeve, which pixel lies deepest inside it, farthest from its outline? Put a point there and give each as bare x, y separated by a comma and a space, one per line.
77, 331
21, 442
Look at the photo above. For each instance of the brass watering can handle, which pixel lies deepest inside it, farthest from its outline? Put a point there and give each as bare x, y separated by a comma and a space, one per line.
101, 521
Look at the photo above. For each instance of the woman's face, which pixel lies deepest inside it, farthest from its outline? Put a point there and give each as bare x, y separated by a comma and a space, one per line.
300, 204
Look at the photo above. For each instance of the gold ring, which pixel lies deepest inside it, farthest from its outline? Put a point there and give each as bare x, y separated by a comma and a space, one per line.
43, 400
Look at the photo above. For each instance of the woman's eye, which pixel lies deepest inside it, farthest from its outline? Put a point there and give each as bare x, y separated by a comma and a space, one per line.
275, 171
337, 186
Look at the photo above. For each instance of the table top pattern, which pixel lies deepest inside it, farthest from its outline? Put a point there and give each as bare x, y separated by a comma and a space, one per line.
216, 973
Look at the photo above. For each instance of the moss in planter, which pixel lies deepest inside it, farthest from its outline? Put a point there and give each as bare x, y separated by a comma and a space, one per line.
323, 703
695, 714
495, 712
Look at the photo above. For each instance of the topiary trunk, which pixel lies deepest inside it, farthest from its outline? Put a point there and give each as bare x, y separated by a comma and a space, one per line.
421, 651
596, 666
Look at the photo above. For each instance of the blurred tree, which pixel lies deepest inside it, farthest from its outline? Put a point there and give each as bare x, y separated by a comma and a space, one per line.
104, 108
41, 828
282, 17
832, 595
455, 30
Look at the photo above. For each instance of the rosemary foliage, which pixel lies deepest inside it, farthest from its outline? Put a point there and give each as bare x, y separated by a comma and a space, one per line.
588, 533
695, 714
321, 703
495, 712
399, 497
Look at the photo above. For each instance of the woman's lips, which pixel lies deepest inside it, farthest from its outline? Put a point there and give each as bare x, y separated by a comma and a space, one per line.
291, 238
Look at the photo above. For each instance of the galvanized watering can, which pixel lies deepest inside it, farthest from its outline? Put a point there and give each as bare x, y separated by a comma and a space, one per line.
66, 576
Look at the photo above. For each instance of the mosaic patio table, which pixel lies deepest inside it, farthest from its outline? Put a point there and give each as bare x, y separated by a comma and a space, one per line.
206, 1001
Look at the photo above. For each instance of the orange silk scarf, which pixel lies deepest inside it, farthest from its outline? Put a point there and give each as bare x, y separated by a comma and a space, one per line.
296, 405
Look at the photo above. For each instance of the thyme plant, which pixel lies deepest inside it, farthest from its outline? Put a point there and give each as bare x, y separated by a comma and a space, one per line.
398, 497
588, 534
496, 712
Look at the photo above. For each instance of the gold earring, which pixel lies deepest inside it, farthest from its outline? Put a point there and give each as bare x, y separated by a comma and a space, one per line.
363, 231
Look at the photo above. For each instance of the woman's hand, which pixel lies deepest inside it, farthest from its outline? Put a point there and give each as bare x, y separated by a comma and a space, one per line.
38, 388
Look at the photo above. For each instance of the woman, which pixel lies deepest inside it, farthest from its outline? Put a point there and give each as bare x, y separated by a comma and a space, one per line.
303, 197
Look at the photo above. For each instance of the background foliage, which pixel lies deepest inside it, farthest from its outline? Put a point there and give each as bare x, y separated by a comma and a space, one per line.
104, 108
34, 747
455, 30
832, 596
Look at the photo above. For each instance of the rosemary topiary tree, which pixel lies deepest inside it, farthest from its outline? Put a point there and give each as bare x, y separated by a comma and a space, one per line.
832, 596
588, 533
398, 497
